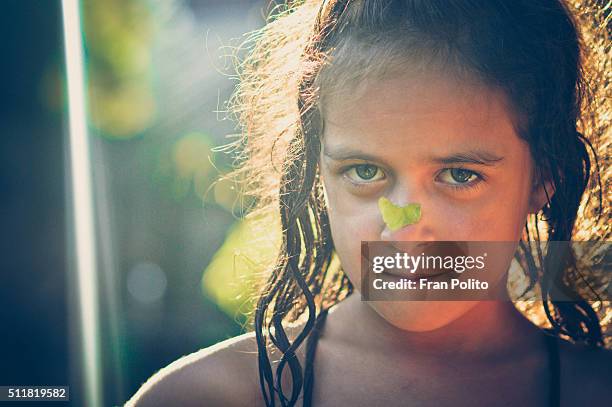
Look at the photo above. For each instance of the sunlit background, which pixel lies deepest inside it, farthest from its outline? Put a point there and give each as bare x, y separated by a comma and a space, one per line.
168, 240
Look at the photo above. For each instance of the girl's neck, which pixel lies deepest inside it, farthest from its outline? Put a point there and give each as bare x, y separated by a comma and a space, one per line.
489, 328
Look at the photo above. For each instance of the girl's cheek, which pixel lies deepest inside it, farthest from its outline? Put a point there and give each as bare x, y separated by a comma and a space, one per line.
498, 215
448, 216
352, 221
348, 230
452, 221
358, 220
341, 204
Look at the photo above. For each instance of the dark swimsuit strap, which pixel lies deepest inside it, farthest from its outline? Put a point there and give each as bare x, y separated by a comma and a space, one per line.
554, 370
552, 346
311, 347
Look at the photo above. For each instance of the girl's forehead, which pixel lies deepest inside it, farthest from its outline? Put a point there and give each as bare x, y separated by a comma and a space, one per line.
422, 93
420, 111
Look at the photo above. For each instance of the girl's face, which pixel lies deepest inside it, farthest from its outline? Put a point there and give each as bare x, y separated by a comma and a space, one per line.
450, 146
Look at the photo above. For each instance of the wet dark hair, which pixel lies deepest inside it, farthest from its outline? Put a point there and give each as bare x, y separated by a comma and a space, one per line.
531, 49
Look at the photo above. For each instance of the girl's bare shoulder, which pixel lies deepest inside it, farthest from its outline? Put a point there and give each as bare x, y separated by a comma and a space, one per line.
586, 374
223, 374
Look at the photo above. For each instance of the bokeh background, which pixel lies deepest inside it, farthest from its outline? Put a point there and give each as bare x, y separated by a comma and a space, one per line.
159, 74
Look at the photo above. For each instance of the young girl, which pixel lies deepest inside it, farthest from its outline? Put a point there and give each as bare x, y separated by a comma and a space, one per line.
469, 108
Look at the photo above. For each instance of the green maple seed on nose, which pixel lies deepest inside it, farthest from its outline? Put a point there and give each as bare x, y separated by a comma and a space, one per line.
397, 217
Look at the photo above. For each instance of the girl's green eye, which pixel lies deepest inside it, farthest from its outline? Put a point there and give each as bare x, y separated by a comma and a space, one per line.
458, 176
364, 172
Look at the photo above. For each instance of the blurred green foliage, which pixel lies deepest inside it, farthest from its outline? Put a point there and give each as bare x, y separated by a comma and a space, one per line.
233, 276
120, 76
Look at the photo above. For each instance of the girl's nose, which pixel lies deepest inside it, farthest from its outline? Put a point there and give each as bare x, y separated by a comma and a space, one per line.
418, 231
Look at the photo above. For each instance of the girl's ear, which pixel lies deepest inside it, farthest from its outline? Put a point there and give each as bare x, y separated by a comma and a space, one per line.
541, 192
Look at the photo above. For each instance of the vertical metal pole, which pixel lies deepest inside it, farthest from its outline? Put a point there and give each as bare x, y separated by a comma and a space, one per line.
82, 204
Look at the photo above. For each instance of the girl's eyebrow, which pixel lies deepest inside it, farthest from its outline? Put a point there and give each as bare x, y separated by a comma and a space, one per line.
470, 157
475, 156
343, 153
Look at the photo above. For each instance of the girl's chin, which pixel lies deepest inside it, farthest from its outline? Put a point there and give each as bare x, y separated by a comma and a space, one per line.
421, 316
